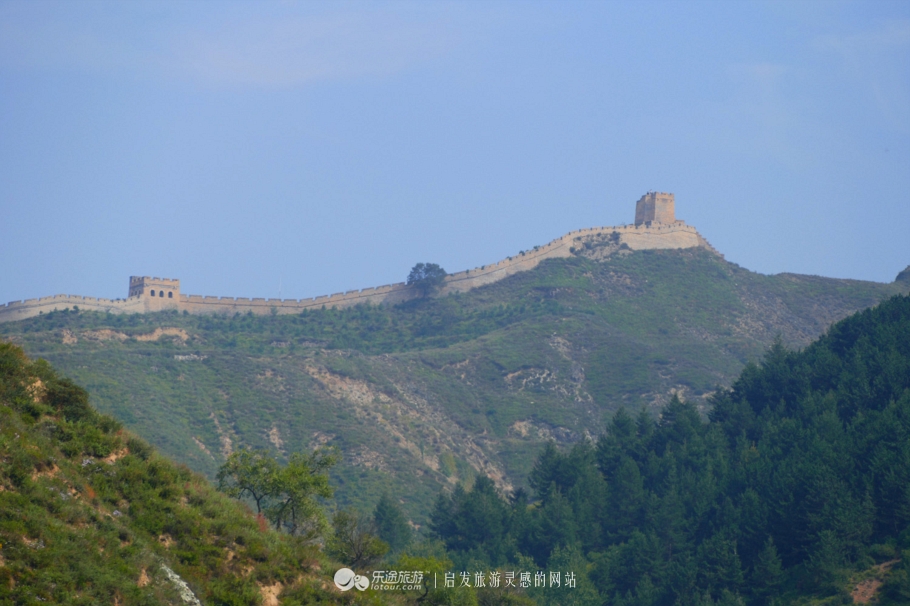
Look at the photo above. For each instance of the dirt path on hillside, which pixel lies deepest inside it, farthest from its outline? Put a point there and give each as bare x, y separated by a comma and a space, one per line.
866, 590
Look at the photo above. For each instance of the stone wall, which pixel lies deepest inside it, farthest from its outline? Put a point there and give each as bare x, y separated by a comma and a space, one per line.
676, 235
20, 310
392, 293
636, 237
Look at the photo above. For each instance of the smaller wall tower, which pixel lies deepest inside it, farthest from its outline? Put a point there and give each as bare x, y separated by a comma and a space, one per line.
156, 293
655, 207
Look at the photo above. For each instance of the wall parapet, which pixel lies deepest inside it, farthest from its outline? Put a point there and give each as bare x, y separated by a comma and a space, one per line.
28, 308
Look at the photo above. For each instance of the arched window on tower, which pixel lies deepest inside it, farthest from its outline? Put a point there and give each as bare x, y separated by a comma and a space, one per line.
153, 293
170, 295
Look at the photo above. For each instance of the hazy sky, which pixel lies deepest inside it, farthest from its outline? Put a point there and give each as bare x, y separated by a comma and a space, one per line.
325, 146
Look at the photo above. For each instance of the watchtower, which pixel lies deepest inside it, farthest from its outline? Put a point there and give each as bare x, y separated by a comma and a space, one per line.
655, 207
159, 293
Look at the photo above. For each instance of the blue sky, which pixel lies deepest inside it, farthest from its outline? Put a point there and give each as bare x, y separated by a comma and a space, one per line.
256, 148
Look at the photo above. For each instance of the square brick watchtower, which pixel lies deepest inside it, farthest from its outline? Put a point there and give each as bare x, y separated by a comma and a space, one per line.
157, 293
655, 207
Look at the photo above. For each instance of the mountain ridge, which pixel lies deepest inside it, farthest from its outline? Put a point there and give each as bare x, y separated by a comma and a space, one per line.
467, 384
651, 231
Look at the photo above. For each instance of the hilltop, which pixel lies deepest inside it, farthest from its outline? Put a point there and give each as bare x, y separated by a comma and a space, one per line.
473, 382
655, 228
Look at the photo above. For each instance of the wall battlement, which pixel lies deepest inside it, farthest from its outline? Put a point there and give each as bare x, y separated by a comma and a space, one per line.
658, 229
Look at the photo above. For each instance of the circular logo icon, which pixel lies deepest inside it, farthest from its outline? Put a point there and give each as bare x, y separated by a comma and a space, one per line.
346, 578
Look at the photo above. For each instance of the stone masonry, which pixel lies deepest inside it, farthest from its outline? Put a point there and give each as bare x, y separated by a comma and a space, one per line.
655, 207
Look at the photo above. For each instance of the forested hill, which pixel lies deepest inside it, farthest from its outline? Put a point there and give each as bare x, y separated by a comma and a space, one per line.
438, 390
797, 487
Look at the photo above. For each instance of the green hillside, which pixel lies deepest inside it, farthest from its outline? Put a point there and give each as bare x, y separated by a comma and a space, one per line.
435, 391
90, 514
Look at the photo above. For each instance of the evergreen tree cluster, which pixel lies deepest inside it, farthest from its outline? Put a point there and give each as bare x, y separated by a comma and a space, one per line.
799, 475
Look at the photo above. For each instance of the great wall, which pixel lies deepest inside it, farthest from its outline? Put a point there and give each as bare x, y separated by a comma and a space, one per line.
655, 228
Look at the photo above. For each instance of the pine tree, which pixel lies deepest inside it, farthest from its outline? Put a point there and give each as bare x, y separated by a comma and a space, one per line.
391, 524
767, 573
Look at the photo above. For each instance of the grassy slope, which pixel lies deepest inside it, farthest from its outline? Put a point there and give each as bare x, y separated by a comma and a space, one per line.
470, 382
89, 514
